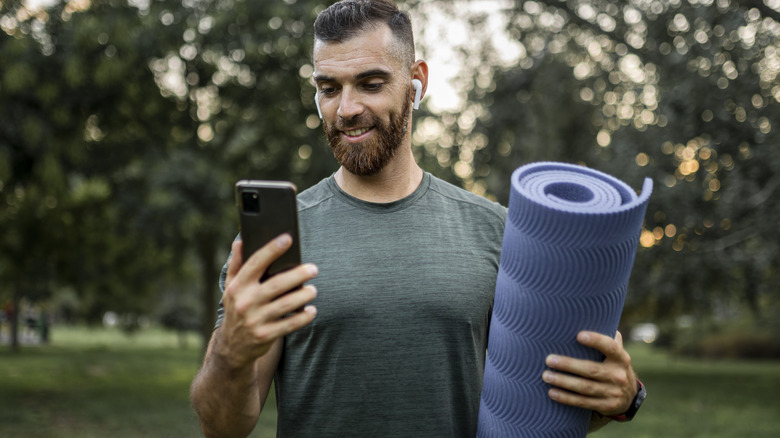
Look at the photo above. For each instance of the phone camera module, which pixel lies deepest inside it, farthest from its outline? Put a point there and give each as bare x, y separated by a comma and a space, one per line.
251, 202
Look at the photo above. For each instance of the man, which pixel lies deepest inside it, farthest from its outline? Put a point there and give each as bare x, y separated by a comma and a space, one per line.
404, 266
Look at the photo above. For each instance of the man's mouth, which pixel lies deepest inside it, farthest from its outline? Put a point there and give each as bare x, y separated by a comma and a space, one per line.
356, 132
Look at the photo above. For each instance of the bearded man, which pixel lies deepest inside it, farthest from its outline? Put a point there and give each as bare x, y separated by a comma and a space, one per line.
400, 270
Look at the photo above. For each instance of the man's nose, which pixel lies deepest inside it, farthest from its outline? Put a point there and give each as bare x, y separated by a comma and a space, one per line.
350, 104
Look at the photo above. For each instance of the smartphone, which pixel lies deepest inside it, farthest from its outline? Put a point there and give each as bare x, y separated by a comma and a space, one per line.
267, 209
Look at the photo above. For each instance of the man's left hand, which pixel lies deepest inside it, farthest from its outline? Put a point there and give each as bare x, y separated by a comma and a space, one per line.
605, 387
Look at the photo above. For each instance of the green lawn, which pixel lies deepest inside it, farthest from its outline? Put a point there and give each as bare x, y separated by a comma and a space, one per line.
101, 383
693, 398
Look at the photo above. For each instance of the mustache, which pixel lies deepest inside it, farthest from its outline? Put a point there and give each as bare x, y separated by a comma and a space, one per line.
360, 120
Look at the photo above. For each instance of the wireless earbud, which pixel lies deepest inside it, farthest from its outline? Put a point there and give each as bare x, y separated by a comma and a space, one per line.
417, 85
317, 103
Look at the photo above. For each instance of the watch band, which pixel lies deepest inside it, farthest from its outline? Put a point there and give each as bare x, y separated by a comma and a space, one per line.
641, 393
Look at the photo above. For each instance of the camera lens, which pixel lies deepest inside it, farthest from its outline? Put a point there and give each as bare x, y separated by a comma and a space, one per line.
251, 202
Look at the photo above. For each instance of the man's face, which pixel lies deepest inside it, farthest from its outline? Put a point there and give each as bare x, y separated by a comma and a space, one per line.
364, 93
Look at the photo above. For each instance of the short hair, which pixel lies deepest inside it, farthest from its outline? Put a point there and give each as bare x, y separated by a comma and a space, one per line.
346, 18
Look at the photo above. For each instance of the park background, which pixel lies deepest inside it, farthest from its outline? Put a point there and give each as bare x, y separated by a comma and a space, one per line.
125, 124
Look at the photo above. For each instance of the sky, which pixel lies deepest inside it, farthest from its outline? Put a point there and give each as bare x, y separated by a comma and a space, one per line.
441, 37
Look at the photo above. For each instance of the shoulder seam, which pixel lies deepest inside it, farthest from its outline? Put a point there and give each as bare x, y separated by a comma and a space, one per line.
466, 201
316, 203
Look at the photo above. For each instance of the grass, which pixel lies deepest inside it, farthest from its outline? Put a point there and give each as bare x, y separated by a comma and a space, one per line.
695, 398
96, 383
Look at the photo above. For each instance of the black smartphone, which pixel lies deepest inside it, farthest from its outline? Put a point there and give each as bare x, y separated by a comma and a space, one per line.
267, 209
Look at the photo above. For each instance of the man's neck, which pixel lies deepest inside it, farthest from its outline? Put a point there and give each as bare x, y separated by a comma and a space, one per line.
399, 179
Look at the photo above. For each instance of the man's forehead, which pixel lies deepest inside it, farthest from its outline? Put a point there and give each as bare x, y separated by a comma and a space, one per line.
374, 47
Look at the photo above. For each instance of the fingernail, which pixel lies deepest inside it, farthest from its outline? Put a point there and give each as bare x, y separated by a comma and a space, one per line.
283, 240
585, 337
312, 269
554, 394
552, 360
313, 289
310, 309
547, 376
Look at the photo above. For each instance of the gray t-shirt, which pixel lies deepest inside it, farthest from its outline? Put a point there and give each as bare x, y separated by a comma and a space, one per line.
405, 292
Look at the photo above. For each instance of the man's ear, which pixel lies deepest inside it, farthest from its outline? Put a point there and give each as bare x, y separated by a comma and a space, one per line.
419, 71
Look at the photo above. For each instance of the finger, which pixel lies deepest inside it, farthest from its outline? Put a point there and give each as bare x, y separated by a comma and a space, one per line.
256, 300
277, 296
619, 338
603, 343
579, 367
574, 384
235, 261
292, 301
288, 280
259, 262
581, 401
281, 327
610, 402
597, 396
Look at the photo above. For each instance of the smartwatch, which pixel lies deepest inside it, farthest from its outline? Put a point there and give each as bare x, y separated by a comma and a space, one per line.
641, 393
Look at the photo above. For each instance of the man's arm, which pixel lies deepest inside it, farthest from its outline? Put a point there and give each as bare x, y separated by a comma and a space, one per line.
227, 400
607, 388
229, 391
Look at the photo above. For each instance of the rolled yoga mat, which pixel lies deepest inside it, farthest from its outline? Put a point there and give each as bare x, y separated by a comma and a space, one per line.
569, 244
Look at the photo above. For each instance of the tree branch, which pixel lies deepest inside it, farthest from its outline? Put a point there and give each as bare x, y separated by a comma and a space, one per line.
763, 8
765, 192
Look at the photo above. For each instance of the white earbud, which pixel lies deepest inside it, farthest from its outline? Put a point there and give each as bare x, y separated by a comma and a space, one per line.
417, 85
317, 103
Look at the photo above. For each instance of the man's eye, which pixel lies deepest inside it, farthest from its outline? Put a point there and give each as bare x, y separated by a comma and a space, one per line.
373, 86
327, 91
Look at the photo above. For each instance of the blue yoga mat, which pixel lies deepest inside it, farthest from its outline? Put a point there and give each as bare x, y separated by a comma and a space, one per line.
569, 244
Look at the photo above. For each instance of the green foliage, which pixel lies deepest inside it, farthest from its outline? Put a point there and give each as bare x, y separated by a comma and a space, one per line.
749, 345
127, 127
124, 128
682, 92
69, 143
726, 338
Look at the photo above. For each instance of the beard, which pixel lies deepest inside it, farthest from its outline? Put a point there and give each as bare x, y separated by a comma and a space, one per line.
368, 157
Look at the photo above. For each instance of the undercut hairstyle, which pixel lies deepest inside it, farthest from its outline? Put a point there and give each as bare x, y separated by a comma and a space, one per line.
347, 18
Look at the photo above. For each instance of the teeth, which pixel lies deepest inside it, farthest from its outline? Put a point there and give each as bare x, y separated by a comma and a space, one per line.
356, 132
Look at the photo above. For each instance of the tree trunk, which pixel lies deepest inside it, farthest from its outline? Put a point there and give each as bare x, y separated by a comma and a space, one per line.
752, 283
15, 305
209, 281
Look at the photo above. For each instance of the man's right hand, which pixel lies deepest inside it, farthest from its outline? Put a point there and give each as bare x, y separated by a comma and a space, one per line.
257, 314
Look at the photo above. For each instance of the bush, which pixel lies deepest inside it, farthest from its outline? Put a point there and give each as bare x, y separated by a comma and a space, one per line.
732, 345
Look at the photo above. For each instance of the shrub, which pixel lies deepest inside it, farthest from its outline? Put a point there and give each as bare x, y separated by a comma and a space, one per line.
732, 345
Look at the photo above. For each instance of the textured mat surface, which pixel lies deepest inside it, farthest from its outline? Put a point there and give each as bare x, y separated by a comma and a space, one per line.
569, 244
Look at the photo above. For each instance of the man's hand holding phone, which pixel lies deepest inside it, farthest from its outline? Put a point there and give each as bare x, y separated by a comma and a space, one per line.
259, 313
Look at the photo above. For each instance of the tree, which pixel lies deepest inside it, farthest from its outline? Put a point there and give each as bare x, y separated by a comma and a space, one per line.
77, 124
682, 91
132, 124
240, 71
125, 126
